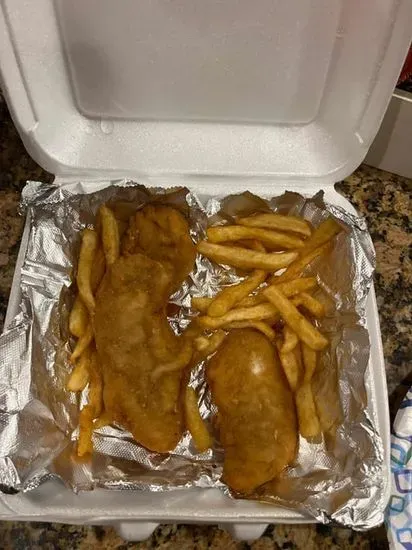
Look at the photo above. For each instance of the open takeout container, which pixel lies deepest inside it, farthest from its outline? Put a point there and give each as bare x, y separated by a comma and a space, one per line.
219, 96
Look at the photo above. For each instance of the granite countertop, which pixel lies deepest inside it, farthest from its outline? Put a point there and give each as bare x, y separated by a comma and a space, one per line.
385, 200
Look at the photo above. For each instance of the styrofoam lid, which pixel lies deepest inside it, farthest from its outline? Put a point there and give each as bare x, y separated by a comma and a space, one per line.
291, 89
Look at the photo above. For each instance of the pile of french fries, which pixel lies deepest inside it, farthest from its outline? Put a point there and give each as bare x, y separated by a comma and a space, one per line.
99, 249
274, 298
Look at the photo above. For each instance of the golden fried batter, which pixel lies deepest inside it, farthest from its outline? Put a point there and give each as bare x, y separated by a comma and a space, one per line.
257, 417
133, 336
162, 233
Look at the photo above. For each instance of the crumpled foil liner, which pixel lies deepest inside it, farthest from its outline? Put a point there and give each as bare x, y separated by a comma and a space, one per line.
341, 477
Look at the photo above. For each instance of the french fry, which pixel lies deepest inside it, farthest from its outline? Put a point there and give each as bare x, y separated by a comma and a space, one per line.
195, 423
289, 288
245, 259
311, 304
274, 239
307, 416
296, 268
256, 313
292, 367
79, 318
297, 350
208, 345
179, 363
280, 222
98, 269
292, 316
309, 361
258, 325
96, 386
82, 343
252, 301
253, 244
322, 234
290, 339
86, 259
110, 235
317, 244
79, 377
201, 303
85, 444
229, 296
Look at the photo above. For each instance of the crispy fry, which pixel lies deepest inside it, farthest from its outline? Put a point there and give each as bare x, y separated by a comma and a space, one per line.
311, 304
253, 244
82, 343
98, 269
280, 222
179, 363
79, 318
274, 239
201, 303
195, 423
297, 350
308, 419
290, 339
256, 313
96, 386
289, 288
110, 235
85, 444
258, 325
251, 301
207, 346
86, 259
317, 244
229, 296
296, 268
309, 361
303, 328
291, 368
245, 259
79, 377
322, 234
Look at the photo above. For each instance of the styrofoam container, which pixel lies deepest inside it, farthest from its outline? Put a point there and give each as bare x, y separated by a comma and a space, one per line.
219, 96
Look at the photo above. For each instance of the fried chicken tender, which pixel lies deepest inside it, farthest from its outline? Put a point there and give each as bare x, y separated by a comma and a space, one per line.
162, 233
256, 412
133, 336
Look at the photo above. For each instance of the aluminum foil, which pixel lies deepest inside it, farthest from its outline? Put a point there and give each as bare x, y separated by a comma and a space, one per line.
340, 477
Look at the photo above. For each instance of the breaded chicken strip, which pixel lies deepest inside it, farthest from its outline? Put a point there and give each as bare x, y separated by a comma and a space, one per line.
256, 412
142, 360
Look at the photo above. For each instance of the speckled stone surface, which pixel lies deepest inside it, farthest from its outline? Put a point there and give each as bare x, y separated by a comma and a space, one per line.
385, 200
